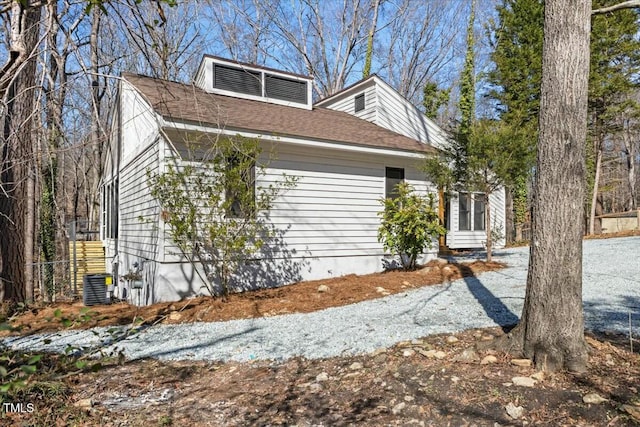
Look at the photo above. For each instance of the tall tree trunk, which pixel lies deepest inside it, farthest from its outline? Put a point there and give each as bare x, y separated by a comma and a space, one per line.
487, 218
368, 56
631, 165
596, 184
509, 216
16, 244
551, 330
96, 140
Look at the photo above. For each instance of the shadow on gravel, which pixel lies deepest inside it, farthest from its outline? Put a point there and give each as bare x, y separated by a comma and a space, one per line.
172, 350
492, 305
622, 317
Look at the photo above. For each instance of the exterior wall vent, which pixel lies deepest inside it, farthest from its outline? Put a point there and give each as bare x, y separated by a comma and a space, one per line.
257, 83
237, 80
285, 89
359, 103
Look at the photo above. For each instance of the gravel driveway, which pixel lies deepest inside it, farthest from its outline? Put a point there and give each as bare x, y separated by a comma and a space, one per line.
611, 291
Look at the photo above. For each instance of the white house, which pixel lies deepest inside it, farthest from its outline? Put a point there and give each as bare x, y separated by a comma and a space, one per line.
374, 100
345, 160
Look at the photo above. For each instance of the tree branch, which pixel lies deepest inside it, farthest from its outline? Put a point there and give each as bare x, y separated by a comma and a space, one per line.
624, 5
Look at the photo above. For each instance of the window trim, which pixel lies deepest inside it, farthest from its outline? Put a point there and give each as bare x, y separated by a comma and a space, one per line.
359, 102
392, 194
235, 210
472, 201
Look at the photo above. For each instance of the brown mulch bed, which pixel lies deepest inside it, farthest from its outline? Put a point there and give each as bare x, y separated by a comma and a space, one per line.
301, 297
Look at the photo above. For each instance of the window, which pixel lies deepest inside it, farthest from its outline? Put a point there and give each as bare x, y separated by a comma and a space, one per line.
110, 210
471, 211
393, 177
359, 102
464, 212
240, 186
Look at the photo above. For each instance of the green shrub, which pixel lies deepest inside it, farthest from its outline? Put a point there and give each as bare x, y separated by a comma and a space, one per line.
410, 224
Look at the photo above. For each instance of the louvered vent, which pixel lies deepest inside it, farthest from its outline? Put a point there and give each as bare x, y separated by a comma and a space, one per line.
94, 289
237, 80
359, 103
285, 89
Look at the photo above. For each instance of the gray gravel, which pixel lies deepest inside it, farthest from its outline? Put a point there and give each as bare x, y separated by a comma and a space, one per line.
611, 291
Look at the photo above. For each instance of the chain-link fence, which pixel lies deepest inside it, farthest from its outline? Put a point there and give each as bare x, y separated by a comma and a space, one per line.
62, 280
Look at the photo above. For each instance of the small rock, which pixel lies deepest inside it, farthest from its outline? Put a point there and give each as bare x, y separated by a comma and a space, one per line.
380, 358
487, 338
452, 339
515, 412
467, 356
379, 351
525, 363
315, 388
417, 342
425, 270
440, 355
429, 354
538, 376
405, 283
355, 366
477, 335
323, 288
323, 376
609, 360
594, 398
455, 379
632, 410
382, 290
523, 381
487, 360
408, 352
409, 398
83, 403
398, 408
174, 315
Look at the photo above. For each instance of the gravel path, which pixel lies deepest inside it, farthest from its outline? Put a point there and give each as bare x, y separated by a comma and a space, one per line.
611, 291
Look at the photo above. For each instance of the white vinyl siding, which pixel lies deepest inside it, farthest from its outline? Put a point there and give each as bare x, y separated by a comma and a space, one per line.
333, 209
469, 239
388, 109
397, 114
347, 103
138, 233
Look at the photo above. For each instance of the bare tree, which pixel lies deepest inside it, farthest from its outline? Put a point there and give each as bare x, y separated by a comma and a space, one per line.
327, 39
164, 42
425, 38
244, 27
17, 83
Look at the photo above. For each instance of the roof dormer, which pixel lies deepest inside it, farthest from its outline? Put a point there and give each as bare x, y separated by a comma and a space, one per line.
226, 77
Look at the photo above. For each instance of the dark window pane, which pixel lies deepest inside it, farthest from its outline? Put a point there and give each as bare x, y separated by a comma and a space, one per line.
240, 191
478, 211
359, 102
464, 212
393, 177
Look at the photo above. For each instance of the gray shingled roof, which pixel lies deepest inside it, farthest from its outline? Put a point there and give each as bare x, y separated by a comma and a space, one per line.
189, 103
